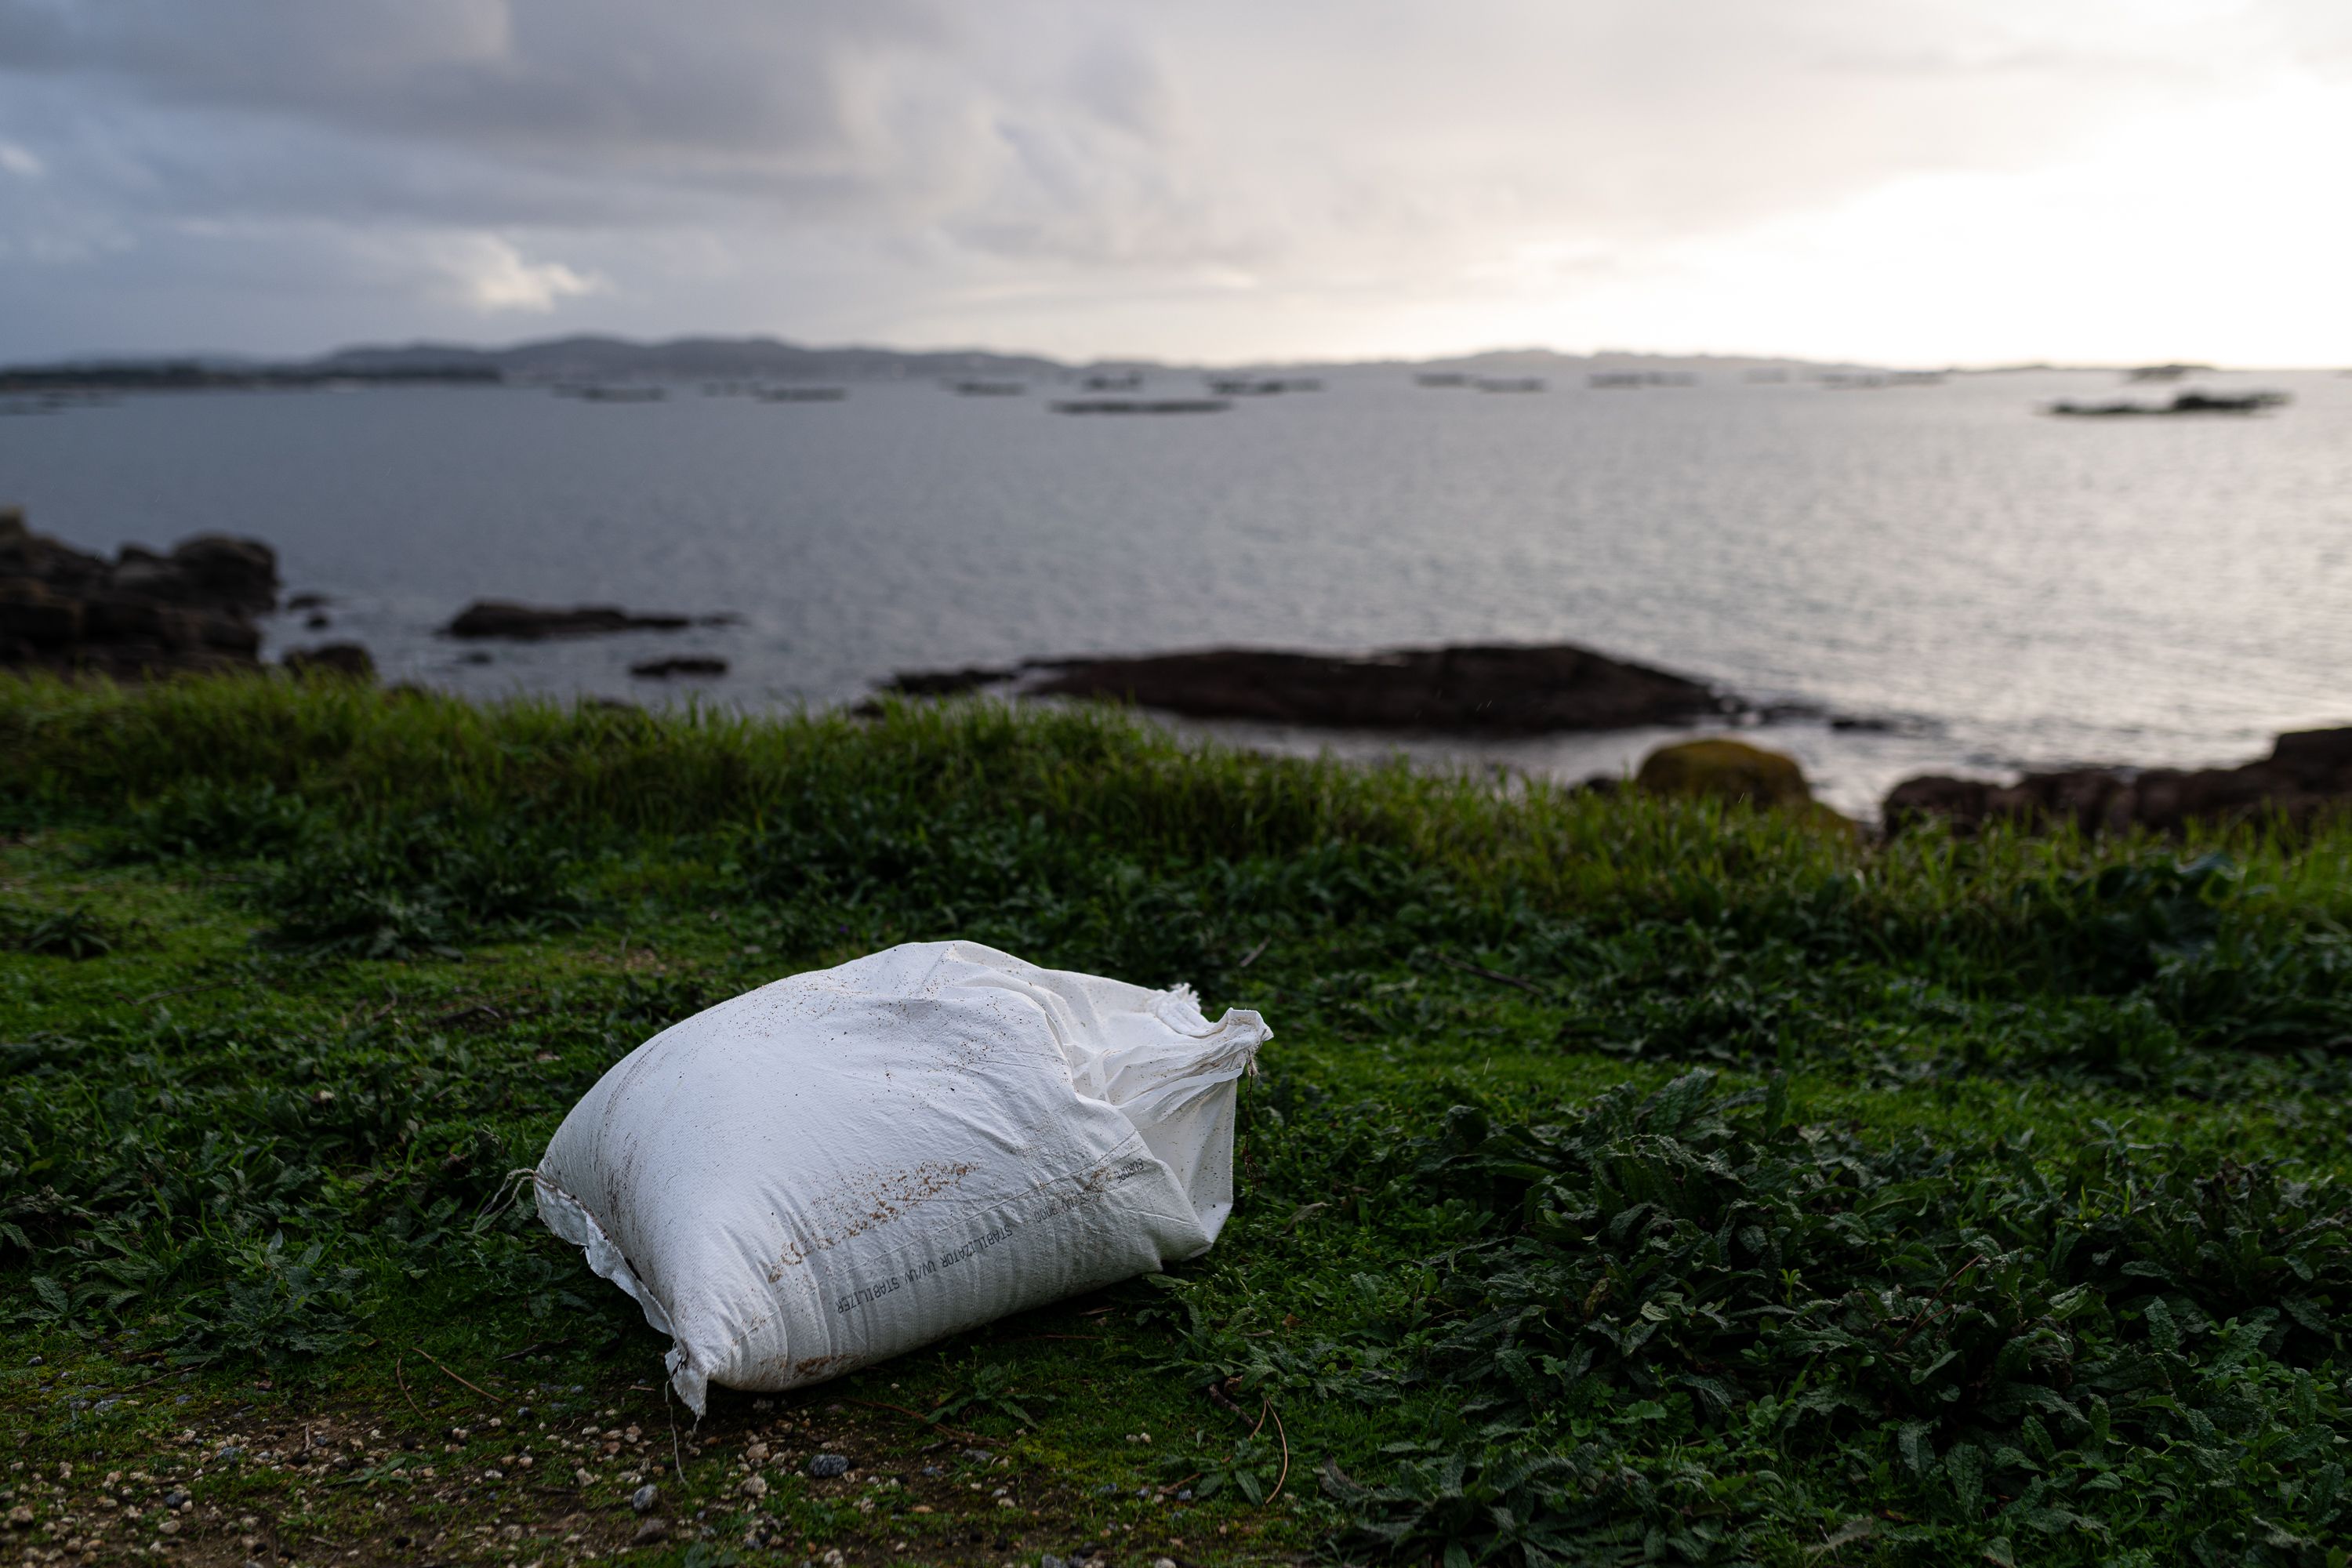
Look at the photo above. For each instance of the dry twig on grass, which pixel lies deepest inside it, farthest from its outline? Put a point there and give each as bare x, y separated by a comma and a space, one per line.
1286, 1449
485, 1393
1497, 976
403, 1381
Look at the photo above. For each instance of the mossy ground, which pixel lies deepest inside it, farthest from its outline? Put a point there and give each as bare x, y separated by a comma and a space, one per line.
292, 978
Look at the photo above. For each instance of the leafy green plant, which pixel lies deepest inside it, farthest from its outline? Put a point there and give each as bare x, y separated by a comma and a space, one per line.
1659, 1259
988, 1389
74, 932
423, 885
1251, 1466
200, 817
270, 1307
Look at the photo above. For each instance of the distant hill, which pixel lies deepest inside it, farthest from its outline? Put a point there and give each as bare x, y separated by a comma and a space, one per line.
1539, 362
597, 358
616, 359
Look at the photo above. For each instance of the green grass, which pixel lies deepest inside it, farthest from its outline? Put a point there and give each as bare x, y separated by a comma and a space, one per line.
1628, 1181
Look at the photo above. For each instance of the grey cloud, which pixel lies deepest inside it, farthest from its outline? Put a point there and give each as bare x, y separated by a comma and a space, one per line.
567, 78
1016, 125
939, 154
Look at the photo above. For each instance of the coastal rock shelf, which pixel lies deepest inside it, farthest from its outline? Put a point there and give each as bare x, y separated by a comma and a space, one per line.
141, 613
533, 623
1496, 688
2308, 772
683, 665
2186, 404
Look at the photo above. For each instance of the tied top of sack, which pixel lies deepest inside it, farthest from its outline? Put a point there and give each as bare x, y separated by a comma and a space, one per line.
849, 1164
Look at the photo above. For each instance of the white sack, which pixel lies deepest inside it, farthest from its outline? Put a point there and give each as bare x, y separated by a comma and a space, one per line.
849, 1164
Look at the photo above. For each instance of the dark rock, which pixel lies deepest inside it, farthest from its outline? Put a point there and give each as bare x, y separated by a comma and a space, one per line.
663, 669
949, 682
348, 660
645, 1496
37, 615
1725, 770
825, 1467
316, 621
1961, 802
2307, 773
2092, 799
2320, 759
1139, 405
2186, 403
211, 569
140, 614
531, 622
1502, 688
650, 1533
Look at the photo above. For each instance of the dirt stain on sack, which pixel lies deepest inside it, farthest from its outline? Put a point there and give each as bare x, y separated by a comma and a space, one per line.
810, 1369
867, 1202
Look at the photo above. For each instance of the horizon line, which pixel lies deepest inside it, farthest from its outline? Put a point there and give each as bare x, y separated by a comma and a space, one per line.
513, 345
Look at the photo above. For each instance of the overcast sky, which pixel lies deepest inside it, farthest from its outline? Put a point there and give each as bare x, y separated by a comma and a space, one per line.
1908, 181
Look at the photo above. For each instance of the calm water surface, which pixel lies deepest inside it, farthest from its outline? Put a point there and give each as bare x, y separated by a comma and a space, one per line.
2014, 590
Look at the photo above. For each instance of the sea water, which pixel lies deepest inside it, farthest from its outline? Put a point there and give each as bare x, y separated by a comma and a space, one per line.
1990, 587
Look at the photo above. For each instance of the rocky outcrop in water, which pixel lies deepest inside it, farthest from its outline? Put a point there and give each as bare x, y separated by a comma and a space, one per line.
533, 623
141, 614
686, 664
1499, 689
2184, 404
2307, 773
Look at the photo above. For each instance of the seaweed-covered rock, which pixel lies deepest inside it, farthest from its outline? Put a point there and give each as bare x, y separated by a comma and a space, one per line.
1719, 768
